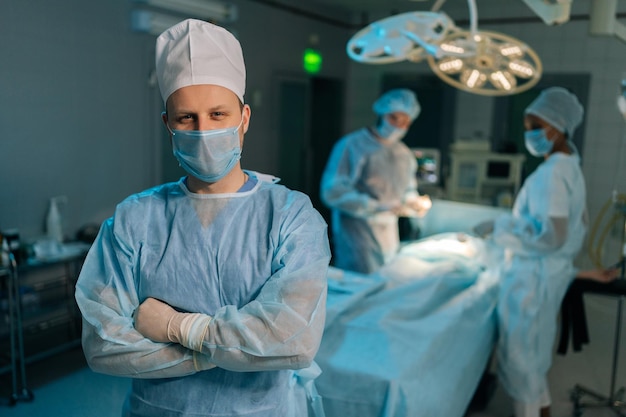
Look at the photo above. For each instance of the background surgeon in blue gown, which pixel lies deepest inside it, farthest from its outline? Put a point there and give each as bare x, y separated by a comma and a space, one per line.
209, 292
542, 236
370, 180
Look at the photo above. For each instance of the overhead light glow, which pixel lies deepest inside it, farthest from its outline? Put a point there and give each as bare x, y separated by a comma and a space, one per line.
503, 80
521, 68
450, 48
473, 78
511, 51
451, 65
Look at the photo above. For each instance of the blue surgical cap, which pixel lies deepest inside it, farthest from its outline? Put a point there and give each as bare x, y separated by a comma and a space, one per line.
558, 107
400, 99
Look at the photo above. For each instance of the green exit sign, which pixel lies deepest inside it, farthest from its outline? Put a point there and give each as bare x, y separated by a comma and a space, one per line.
312, 61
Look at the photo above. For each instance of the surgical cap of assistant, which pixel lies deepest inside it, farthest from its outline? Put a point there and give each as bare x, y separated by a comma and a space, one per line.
401, 100
558, 107
195, 52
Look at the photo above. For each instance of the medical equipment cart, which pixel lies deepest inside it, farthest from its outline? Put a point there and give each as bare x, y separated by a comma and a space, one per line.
20, 391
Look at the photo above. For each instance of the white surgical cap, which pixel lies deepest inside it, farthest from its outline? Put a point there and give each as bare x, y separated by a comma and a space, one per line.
558, 107
400, 99
197, 52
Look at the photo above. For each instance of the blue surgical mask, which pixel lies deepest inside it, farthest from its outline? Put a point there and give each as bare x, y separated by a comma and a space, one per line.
537, 143
207, 154
389, 132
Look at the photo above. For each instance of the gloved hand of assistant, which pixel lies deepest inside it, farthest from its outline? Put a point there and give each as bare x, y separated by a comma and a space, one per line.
418, 205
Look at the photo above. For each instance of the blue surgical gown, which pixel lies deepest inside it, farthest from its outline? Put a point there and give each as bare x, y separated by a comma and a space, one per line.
255, 261
361, 178
538, 271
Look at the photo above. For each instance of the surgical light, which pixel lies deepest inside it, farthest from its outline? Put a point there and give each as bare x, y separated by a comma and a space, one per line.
479, 62
521, 69
451, 65
509, 50
503, 80
397, 38
472, 78
448, 47
507, 65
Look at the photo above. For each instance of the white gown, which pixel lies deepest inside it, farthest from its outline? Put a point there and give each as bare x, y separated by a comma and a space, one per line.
361, 177
255, 261
537, 272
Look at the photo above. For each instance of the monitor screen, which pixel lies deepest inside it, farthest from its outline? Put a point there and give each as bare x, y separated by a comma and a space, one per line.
498, 169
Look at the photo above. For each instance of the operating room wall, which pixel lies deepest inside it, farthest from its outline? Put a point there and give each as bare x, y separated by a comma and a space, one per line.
565, 49
79, 108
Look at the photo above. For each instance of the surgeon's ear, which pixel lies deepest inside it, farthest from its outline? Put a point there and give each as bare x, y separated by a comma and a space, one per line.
164, 119
246, 113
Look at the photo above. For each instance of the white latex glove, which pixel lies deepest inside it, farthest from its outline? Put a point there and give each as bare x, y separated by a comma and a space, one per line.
159, 322
418, 205
152, 318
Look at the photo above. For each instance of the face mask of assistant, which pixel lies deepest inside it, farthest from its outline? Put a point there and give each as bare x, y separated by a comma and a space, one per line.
207, 154
390, 132
537, 143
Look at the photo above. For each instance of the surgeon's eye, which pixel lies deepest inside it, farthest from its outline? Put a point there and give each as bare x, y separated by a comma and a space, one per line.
184, 118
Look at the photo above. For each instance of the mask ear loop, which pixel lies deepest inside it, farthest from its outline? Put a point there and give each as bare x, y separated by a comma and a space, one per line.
240, 123
167, 126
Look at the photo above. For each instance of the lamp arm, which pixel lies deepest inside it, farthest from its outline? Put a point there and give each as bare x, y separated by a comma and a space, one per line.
471, 4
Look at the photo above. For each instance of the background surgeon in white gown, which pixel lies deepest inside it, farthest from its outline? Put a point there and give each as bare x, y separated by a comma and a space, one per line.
369, 180
209, 292
542, 236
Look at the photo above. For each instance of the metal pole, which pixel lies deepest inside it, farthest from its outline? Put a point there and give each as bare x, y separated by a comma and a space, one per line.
616, 347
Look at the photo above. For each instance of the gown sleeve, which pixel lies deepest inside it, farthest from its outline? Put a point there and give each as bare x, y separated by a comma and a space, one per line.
338, 186
107, 296
539, 224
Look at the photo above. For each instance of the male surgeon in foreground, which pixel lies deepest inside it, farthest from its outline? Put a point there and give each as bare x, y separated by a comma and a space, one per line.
209, 292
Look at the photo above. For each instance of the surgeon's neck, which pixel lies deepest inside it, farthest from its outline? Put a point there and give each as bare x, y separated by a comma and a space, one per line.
231, 183
560, 146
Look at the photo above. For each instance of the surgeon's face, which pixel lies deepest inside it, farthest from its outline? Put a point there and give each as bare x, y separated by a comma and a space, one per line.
206, 107
399, 119
532, 122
